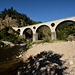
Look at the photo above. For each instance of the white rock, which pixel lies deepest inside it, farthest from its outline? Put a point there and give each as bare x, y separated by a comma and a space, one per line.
71, 62
19, 56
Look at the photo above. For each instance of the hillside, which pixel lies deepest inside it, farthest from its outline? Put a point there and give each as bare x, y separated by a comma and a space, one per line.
10, 17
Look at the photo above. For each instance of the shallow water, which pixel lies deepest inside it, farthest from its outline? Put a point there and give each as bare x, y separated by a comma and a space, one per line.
10, 53
8, 58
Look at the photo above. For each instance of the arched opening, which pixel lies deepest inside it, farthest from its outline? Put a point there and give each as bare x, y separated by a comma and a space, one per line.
53, 24
64, 29
28, 34
43, 32
18, 31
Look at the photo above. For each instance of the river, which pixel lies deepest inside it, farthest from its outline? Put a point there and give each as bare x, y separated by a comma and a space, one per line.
8, 61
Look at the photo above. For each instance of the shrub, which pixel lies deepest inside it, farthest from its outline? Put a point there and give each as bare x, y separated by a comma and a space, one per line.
46, 40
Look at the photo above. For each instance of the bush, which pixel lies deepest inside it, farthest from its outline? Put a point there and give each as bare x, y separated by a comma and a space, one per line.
64, 30
46, 40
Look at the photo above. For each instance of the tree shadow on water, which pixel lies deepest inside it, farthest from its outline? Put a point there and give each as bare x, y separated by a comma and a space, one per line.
45, 63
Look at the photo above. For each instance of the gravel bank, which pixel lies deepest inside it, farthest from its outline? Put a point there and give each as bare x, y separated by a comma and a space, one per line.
66, 49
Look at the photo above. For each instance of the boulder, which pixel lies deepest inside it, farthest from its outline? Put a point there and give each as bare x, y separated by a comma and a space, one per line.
71, 37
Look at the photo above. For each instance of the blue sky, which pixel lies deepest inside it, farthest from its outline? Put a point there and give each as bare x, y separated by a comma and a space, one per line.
42, 10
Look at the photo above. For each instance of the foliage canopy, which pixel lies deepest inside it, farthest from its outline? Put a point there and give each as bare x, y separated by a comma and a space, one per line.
22, 19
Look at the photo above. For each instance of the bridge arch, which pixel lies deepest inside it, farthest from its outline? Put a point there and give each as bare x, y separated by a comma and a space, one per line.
43, 31
28, 33
42, 26
63, 29
63, 22
18, 31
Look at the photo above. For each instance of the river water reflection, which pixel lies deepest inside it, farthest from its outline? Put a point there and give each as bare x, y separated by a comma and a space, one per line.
9, 55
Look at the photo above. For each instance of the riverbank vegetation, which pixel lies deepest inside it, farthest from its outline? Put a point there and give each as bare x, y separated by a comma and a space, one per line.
65, 29
11, 18
8, 34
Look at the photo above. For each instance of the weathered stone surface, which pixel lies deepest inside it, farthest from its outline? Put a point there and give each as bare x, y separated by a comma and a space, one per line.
8, 43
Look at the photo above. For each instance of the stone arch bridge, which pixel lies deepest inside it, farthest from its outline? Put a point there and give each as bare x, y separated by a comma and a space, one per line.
51, 24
